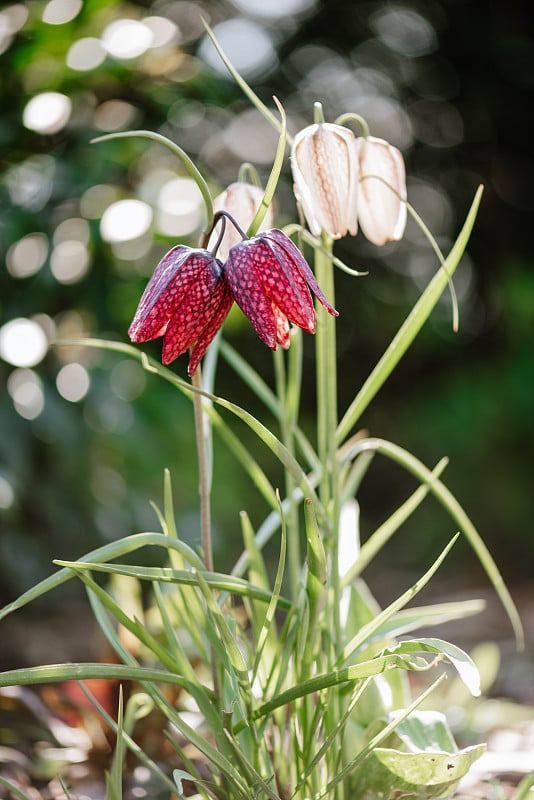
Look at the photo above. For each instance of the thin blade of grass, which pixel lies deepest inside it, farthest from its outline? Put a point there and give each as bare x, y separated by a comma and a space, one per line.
274, 177
369, 631
384, 532
271, 608
448, 501
106, 553
411, 619
215, 580
377, 740
410, 328
130, 743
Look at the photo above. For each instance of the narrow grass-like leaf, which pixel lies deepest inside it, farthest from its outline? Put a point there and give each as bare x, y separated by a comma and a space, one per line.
14, 789
356, 672
52, 673
384, 532
262, 432
336, 733
459, 659
243, 85
130, 743
274, 177
254, 779
106, 553
216, 580
269, 615
250, 377
377, 740
173, 641
189, 165
447, 499
414, 618
134, 626
217, 757
410, 328
369, 631
114, 778
524, 788
204, 697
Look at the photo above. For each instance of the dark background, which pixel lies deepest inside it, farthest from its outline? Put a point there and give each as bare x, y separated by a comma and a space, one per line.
450, 83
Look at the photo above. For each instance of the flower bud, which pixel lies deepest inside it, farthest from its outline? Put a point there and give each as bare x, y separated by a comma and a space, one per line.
241, 201
382, 190
325, 172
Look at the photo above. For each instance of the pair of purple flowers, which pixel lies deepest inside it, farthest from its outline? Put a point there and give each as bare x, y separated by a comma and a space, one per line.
191, 292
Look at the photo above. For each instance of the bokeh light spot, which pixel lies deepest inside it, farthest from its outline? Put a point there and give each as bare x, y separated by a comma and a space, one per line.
12, 19
273, 8
179, 207
57, 12
47, 112
26, 390
96, 199
69, 261
164, 31
114, 115
72, 228
247, 45
404, 31
7, 495
86, 54
27, 256
127, 38
127, 380
125, 220
73, 382
22, 342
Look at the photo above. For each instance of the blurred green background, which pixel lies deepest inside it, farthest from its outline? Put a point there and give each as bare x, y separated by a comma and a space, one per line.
85, 436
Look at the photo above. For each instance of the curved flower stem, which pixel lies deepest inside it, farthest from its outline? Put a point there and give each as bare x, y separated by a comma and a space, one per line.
177, 150
249, 174
352, 117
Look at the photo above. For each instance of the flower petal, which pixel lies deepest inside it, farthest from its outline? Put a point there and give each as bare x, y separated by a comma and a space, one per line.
300, 264
222, 301
162, 292
194, 311
381, 210
282, 327
244, 281
281, 282
325, 171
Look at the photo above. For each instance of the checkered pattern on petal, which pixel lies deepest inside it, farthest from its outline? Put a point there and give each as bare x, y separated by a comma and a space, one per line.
165, 291
284, 284
220, 304
300, 264
193, 311
242, 275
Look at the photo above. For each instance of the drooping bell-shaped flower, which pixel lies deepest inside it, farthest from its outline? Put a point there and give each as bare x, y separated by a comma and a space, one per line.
241, 200
186, 301
269, 278
382, 190
325, 172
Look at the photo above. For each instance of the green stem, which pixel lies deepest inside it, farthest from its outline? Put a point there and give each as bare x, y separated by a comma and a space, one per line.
189, 165
286, 425
326, 434
203, 473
